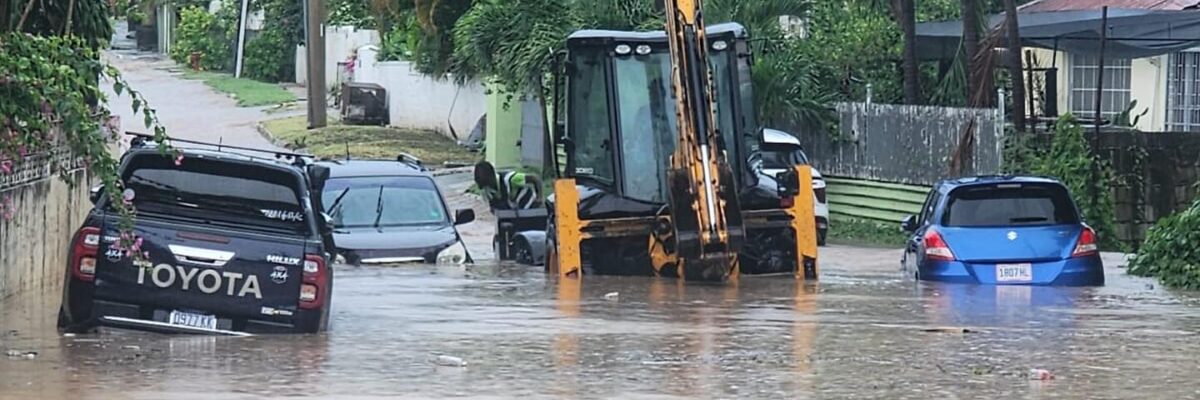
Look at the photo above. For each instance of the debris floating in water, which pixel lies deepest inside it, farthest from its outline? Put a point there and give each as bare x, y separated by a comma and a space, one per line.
612, 296
450, 361
28, 355
1037, 374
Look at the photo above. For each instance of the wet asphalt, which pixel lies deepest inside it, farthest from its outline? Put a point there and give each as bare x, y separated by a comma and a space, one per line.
855, 334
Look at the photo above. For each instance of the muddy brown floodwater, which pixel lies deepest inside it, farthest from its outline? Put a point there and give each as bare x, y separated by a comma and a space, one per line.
853, 335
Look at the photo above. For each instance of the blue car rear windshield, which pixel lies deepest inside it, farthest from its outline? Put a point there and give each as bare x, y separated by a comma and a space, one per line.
1010, 205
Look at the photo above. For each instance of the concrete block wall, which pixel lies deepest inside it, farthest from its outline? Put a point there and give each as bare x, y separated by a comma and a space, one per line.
340, 44
46, 212
419, 101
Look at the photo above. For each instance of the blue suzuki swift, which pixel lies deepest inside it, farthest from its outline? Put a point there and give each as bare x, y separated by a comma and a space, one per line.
1002, 230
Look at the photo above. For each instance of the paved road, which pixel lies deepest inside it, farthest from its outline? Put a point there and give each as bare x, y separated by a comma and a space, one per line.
188, 108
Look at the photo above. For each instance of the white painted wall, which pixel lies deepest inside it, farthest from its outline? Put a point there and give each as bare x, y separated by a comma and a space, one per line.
1147, 85
340, 43
419, 101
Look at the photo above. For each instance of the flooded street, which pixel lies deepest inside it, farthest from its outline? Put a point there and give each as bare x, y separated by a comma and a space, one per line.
855, 334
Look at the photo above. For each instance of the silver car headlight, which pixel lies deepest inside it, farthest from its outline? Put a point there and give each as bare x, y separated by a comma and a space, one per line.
454, 255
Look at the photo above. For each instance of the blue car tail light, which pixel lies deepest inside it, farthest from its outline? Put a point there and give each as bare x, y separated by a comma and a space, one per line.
1087, 244
936, 247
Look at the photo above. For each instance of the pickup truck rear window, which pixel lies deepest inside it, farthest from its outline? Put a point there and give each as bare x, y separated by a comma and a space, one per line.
217, 192
1010, 205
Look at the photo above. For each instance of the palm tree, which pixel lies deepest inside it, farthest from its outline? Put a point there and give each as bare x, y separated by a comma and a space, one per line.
1014, 64
905, 13
970, 37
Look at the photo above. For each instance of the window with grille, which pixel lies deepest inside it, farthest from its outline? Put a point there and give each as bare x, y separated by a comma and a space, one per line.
1083, 86
1183, 92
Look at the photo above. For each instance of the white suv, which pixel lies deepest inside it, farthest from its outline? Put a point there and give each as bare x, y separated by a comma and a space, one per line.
780, 151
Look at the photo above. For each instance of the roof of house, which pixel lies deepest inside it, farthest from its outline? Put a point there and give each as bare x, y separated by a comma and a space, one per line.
1132, 33
1074, 5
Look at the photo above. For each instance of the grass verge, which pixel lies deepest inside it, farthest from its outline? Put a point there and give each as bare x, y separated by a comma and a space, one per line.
247, 92
368, 142
865, 232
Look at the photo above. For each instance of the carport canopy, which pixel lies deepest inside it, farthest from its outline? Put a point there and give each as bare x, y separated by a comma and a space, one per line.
1132, 33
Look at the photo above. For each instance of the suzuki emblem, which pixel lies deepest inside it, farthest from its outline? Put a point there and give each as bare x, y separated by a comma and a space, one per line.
1012, 235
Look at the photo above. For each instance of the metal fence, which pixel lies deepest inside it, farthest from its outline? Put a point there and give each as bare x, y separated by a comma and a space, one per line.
916, 145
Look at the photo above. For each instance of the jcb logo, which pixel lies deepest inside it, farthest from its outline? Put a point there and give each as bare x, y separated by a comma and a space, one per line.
208, 281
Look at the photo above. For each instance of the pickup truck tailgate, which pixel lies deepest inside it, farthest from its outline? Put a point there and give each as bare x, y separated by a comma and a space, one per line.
223, 272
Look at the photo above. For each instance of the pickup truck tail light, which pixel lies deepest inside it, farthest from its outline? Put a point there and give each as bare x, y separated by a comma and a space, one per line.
315, 282
83, 253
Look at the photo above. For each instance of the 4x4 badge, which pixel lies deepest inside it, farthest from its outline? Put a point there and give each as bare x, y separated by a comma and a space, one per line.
280, 275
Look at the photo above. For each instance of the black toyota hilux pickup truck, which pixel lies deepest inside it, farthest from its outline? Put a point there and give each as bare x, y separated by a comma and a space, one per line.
224, 242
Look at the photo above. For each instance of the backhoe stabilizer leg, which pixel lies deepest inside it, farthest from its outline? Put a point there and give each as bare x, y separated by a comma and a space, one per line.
804, 224
567, 229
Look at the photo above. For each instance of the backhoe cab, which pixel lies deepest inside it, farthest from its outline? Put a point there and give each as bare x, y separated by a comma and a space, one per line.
659, 183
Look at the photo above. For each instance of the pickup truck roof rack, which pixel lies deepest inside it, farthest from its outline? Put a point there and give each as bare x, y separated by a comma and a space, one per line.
298, 159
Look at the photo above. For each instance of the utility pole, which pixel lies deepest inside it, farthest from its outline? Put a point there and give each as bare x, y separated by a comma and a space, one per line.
1095, 142
241, 41
315, 47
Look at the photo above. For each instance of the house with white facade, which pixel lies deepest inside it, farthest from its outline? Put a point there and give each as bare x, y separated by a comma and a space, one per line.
1151, 56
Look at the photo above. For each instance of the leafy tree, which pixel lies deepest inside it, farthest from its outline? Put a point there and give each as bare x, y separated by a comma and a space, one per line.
204, 34
1170, 252
50, 95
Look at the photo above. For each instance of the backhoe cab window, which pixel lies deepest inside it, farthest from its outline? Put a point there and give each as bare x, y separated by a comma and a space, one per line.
645, 116
646, 112
589, 117
647, 124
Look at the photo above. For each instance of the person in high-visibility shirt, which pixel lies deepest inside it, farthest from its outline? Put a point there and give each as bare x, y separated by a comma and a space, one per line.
508, 190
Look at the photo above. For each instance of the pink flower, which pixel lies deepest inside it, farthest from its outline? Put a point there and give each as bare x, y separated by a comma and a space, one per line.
6, 167
21, 151
179, 160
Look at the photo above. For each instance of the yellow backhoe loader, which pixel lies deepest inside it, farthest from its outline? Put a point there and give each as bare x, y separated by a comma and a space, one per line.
658, 135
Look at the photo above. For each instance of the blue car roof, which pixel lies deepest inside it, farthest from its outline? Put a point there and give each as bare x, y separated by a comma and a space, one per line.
950, 184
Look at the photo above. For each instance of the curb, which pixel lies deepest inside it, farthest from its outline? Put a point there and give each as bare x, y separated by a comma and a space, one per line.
266, 134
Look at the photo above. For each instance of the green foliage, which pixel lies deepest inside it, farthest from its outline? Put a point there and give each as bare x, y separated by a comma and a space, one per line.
248, 92
270, 55
1127, 118
348, 12
263, 54
792, 94
89, 19
858, 231
851, 46
136, 16
512, 42
1170, 251
206, 34
119, 8
1070, 159
397, 43
48, 85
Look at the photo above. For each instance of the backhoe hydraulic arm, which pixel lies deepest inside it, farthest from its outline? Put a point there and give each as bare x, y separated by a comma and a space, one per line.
706, 218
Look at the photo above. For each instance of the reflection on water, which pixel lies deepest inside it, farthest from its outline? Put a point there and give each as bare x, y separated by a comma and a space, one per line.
524, 335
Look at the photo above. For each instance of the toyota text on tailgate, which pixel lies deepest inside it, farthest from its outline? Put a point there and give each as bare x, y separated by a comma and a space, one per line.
222, 243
